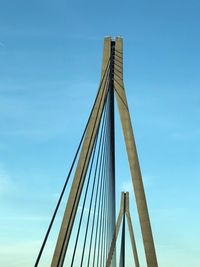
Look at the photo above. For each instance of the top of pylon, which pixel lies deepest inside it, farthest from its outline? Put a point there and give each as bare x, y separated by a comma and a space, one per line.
113, 38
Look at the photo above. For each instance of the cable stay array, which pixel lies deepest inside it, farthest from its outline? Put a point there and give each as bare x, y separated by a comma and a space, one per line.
89, 229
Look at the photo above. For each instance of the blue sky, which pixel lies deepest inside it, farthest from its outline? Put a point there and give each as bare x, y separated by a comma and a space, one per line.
50, 62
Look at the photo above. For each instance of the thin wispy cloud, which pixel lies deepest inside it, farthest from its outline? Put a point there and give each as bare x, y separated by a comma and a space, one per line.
6, 184
44, 32
185, 135
30, 218
149, 181
23, 253
2, 44
127, 186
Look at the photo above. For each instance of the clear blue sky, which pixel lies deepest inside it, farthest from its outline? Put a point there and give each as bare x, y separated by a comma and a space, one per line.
50, 60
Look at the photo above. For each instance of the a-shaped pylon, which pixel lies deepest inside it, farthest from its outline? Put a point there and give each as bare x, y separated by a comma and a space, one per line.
124, 210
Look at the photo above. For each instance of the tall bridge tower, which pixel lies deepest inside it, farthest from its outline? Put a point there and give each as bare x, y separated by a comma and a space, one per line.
97, 148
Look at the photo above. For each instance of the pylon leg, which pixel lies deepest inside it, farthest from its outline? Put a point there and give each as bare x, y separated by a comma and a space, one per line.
133, 157
116, 232
79, 177
130, 227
